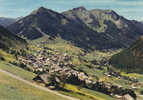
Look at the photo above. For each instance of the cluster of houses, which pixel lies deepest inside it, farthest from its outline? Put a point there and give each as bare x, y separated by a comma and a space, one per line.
44, 60
53, 62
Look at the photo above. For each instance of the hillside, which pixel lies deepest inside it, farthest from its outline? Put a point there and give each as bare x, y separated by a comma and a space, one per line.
14, 89
130, 59
90, 30
9, 40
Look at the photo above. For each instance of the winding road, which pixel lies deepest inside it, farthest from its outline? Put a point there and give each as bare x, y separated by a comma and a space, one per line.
37, 86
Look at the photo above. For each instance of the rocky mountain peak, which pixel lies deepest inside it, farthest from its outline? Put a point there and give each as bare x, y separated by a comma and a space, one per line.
112, 12
40, 10
102, 13
81, 8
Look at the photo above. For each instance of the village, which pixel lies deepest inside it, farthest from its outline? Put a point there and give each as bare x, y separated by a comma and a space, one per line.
52, 69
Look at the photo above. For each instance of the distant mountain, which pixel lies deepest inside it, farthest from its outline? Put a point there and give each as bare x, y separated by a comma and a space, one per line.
131, 59
6, 21
9, 40
94, 29
139, 25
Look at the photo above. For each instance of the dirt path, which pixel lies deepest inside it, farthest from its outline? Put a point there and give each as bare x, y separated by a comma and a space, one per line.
37, 86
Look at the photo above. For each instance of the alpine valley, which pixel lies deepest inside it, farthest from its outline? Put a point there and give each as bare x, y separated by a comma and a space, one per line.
81, 54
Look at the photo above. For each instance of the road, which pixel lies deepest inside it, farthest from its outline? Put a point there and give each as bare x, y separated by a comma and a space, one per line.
37, 86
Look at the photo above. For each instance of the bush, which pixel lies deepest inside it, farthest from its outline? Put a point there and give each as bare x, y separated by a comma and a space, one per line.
14, 63
22, 65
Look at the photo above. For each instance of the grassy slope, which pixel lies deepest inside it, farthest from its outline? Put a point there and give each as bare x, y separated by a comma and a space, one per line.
58, 44
6, 56
17, 71
5, 65
85, 94
12, 89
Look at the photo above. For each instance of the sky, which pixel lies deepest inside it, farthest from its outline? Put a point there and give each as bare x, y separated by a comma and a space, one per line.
131, 9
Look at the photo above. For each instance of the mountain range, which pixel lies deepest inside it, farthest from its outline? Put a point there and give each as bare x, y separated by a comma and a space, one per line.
7, 21
88, 29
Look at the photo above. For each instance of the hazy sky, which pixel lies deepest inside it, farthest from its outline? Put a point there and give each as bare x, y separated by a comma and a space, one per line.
131, 9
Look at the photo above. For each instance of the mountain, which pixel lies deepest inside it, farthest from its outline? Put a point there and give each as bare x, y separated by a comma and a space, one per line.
9, 40
88, 29
101, 20
107, 22
6, 21
131, 59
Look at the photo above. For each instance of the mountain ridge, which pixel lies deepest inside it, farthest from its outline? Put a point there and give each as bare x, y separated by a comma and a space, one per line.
6, 21
94, 29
